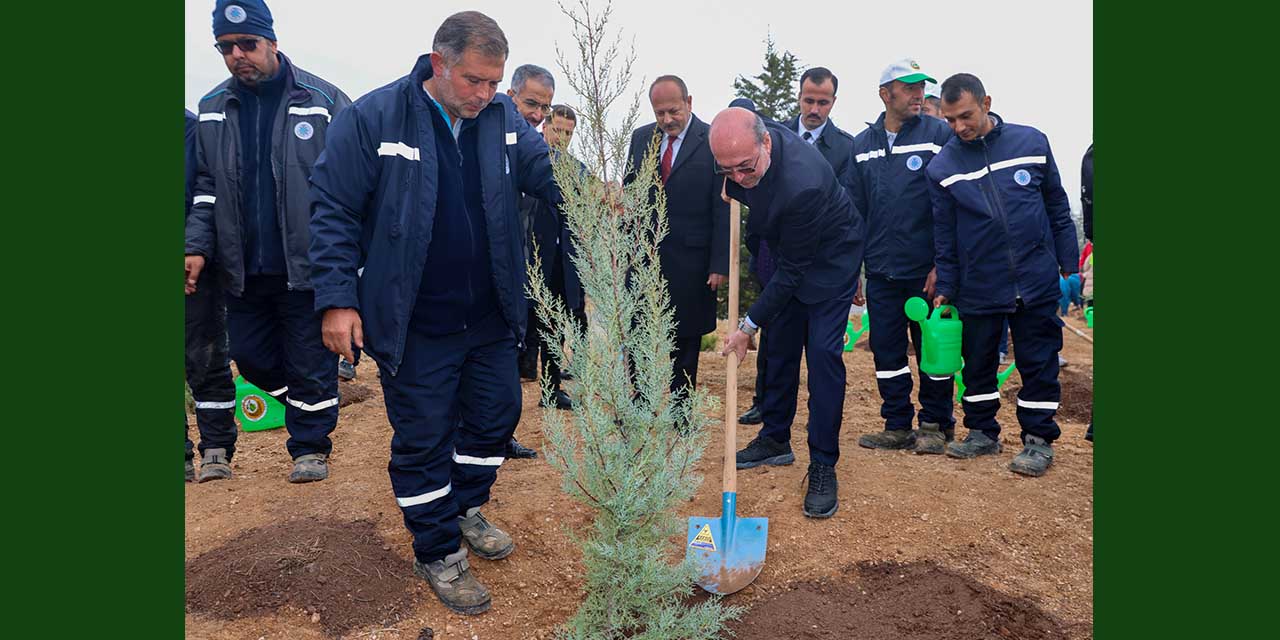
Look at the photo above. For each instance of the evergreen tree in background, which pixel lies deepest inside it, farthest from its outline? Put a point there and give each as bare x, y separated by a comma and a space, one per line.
775, 88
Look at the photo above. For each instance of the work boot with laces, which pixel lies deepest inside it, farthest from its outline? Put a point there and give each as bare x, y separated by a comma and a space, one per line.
822, 499
888, 439
977, 443
488, 541
453, 583
1035, 458
931, 439
311, 467
764, 450
214, 465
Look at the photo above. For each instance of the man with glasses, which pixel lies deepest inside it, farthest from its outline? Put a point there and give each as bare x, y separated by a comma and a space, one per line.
419, 260
815, 235
532, 90
695, 252
891, 190
259, 133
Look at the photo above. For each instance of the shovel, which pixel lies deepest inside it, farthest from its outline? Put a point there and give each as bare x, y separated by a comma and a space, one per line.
728, 550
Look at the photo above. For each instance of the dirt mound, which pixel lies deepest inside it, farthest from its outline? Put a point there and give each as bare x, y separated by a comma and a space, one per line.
341, 574
1076, 404
350, 392
888, 600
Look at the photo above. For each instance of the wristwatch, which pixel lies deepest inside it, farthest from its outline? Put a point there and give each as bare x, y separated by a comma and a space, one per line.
747, 327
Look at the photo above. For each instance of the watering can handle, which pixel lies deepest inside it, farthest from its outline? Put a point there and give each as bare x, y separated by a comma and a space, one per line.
937, 313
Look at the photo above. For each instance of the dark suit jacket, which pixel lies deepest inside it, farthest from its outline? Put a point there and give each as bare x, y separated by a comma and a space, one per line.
836, 146
810, 223
697, 242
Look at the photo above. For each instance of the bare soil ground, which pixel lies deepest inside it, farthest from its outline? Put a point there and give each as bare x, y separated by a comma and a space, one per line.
922, 547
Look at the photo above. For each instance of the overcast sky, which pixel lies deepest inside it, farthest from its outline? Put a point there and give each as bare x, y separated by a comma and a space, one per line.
1035, 59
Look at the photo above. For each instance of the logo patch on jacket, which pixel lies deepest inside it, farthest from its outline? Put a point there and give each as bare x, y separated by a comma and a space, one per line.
1022, 177
235, 13
914, 163
304, 130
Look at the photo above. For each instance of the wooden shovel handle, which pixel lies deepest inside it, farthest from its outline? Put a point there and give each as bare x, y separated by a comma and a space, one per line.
731, 374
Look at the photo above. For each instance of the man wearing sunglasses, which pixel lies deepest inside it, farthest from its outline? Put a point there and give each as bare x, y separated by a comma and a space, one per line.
259, 133
695, 252
418, 259
815, 235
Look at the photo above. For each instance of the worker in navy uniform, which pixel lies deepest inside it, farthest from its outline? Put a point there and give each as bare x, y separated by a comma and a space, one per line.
695, 251
891, 190
804, 213
419, 260
1003, 236
208, 368
259, 134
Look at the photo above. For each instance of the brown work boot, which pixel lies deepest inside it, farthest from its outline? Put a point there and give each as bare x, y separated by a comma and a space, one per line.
895, 439
931, 439
453, 583
488, 541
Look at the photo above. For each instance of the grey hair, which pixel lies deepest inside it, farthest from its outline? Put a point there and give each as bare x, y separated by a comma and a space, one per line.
531, 72
469, 30
758, 128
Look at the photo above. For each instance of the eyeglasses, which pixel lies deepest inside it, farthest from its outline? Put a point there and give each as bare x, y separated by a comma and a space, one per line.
246, 45
744, 170
534, 104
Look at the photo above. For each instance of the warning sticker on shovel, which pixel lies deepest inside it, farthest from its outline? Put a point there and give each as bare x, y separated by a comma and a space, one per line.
704, 540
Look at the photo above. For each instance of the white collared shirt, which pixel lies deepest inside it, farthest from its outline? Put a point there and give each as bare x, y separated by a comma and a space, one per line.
679, 141
813, 132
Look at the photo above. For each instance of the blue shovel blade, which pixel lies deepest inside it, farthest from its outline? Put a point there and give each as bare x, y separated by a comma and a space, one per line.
729, 551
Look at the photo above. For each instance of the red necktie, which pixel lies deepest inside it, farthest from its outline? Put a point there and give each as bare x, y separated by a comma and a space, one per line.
665, 168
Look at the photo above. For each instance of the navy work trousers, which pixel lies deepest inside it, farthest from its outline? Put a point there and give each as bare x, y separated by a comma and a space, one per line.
889, 332
817, 330
453, 405
208, 368
277, 346
1037, 339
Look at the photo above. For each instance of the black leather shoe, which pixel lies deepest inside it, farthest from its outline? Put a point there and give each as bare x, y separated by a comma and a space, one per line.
821, 501
752, 416
561, 400
763, 450
517, 450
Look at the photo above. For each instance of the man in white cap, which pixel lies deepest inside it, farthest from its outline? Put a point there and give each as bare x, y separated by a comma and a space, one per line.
932, 100
891, 190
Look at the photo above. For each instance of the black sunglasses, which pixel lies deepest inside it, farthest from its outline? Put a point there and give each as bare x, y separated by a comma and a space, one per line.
246, 45
747, 170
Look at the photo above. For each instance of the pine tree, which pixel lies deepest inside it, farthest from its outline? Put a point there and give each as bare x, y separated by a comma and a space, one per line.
776, 87
620, 452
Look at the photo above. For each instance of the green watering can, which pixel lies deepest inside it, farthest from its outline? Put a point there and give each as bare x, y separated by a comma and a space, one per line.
940, 348
851, 335
256, 409
1088, 316
1001, 378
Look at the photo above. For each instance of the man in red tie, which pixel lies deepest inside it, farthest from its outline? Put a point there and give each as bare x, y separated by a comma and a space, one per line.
695, 253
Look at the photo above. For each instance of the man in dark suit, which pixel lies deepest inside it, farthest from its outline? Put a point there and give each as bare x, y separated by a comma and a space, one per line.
814, 125
553, 245
805, 215
695, 252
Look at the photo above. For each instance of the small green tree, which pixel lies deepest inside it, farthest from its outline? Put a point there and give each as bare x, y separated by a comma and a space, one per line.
776, 86
620, 453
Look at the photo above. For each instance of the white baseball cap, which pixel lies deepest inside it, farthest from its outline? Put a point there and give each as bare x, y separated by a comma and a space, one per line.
932, 89
905, 70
